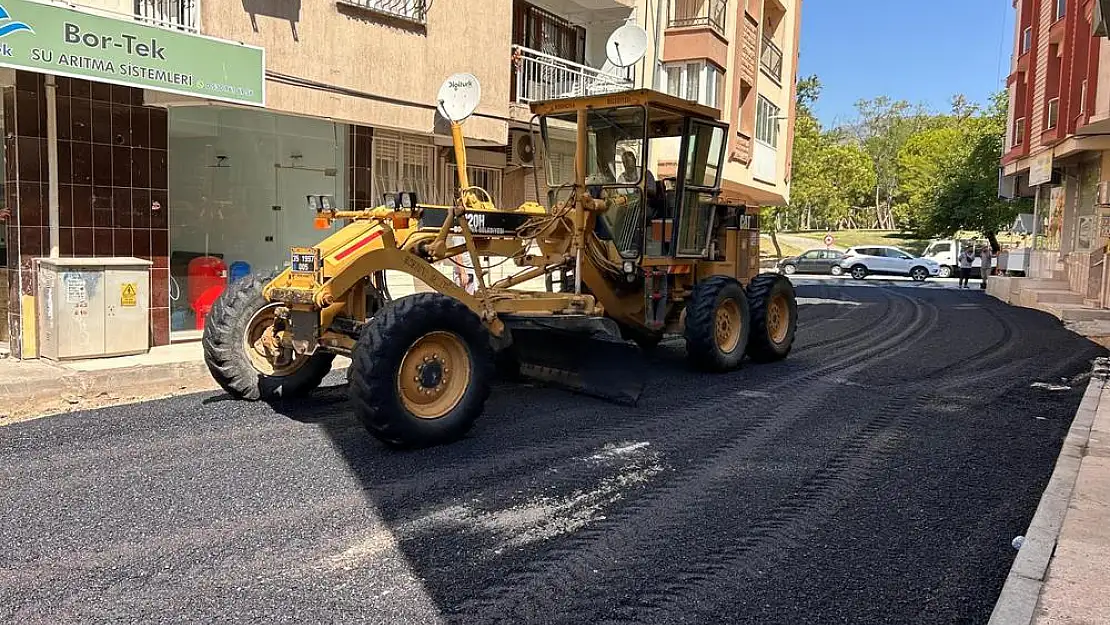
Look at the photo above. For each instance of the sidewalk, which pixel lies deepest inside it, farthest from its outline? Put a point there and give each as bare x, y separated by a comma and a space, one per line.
1061, 574
34, 388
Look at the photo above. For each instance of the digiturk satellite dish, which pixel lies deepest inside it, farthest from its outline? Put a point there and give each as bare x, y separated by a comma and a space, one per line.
459, 96
627, 45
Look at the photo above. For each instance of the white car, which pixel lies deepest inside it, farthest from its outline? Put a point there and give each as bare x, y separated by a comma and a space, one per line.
864, 260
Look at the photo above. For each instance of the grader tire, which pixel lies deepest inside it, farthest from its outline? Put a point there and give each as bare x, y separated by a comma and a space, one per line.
717, 324
421, 371
228, 352
774, 309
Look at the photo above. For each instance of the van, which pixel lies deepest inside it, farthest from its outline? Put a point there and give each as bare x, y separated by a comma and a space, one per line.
945, 251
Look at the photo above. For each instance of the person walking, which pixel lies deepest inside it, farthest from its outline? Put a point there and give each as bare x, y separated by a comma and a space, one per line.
985, 267
966, 260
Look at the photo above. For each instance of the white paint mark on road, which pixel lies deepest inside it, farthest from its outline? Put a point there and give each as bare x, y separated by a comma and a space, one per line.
370, 547
614, 451
543, 517
804, 301
1048, 386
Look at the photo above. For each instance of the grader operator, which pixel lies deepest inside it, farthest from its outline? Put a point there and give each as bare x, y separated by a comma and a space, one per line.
630, 259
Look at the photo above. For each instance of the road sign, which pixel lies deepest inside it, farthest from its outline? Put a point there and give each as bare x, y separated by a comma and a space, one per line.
828, 240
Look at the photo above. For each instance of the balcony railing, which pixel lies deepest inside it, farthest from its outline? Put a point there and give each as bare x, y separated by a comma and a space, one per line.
710, 13
410, 10
540, 76
172, 14
770, 60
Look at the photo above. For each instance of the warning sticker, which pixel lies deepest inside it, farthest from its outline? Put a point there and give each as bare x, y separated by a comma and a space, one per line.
75, 289
127, 294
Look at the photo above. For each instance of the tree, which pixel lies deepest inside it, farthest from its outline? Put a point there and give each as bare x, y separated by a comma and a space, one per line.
831, 173
922, 165
967, 194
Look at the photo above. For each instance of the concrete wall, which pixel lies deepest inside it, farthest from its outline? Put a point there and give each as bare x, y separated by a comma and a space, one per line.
342, 45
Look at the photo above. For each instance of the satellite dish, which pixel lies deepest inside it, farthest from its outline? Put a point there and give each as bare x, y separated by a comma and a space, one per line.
459, 96
627, 45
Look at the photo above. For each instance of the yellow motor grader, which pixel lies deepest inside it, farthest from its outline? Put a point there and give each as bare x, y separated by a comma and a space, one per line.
628, 258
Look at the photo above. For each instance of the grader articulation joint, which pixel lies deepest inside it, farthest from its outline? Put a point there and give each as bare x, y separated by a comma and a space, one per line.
627, 260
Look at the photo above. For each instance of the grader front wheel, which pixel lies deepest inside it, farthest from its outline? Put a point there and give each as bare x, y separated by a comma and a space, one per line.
774, 310
242, 353
717, 324
420, 373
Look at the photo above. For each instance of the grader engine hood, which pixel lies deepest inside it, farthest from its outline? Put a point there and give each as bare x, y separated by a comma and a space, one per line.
310, 267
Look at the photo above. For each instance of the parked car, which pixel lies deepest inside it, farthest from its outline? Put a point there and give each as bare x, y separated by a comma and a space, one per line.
864, 260
813, 261
945, 251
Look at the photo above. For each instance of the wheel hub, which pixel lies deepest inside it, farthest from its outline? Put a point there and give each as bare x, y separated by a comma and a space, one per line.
434, 375
430, 374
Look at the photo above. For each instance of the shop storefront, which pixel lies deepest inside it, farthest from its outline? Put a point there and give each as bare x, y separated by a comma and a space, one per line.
238, 182
86, 160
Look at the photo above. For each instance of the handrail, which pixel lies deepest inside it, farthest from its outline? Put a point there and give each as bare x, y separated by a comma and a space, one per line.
541, 76
770, 59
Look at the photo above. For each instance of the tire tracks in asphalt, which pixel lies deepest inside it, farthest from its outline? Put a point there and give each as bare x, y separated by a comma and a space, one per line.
667, 505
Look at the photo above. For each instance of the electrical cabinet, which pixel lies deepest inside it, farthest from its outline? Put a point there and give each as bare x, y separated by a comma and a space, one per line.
92, 307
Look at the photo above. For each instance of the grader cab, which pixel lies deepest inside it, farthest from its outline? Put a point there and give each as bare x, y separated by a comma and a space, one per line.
630, 256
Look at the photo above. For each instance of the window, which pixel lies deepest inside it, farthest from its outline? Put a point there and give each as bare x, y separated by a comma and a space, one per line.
1026, 40
767, 122
1053, 113
1061, 9
813, 254
403, 163
488, 178
698, 81
1019, 131
1083, 98
713, 82
411, 10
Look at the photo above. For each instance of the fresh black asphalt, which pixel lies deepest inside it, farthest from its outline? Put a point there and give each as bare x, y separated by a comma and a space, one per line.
876, 476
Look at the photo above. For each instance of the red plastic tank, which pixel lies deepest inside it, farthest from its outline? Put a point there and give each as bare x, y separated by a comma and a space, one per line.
207, 280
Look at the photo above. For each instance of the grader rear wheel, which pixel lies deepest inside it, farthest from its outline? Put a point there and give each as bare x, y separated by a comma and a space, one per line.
420, 373
774, 310
242, 353
717, 324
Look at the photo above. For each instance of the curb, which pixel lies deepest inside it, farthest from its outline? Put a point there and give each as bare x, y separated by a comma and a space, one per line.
72, 391
1017, 603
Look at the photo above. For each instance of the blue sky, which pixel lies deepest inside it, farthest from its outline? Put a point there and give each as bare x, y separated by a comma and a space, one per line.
917, 50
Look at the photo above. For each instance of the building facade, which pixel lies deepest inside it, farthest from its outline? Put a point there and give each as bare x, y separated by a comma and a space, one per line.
1057, 143
197, 149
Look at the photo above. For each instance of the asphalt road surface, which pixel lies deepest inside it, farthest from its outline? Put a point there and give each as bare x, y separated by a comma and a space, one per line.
877, 476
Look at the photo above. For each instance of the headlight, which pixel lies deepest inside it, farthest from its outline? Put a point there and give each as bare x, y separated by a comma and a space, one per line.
629, 267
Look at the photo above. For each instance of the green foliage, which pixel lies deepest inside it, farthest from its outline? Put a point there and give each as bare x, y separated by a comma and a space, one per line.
899, 166
830, 175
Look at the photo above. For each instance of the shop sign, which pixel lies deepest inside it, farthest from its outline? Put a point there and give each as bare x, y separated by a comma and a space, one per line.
1040, 170
59, 40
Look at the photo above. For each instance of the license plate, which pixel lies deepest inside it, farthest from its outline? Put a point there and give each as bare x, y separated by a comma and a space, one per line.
305, 260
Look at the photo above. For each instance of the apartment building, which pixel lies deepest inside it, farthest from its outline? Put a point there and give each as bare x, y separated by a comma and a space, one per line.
741, 57
201, 137
1058, 137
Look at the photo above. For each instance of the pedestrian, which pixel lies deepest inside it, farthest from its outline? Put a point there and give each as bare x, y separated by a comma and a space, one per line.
966, 260
985, 267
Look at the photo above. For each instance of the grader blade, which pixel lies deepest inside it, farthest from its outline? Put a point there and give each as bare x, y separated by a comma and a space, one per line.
581, 354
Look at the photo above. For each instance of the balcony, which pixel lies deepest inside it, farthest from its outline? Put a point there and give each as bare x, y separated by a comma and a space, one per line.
703, 13
770, 60
409, 10
538, 76
171, 14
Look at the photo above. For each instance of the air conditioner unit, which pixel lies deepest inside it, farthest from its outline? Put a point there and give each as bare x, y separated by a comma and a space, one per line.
522, 152
1104, 193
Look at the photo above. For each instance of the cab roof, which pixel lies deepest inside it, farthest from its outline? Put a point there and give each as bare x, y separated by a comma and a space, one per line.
637, 97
